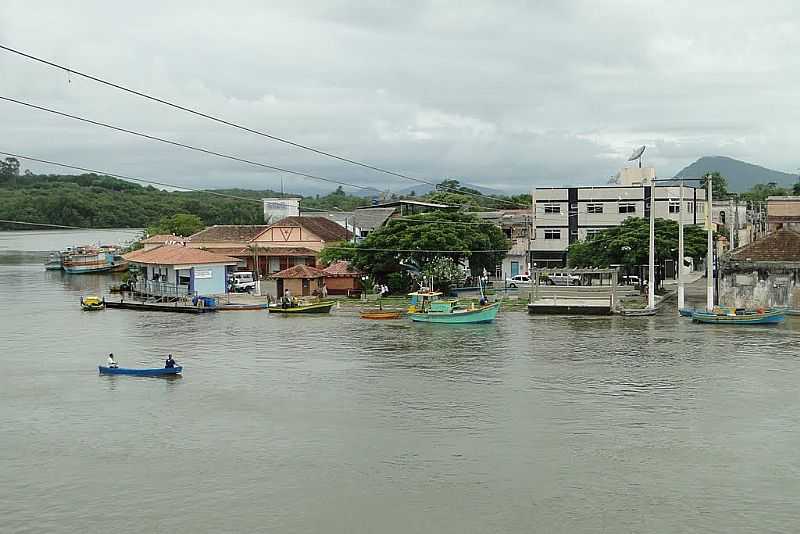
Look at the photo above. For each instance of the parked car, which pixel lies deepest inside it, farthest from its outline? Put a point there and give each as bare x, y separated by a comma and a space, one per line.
563, 279
243, 282
631, 280
520, 280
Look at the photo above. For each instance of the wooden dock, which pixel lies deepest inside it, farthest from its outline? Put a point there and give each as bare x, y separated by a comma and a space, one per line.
173, 307
570, 306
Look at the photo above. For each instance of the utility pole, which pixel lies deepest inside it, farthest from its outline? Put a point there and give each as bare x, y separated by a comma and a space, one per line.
732, 225
532, 233
710, 251
651, 282
681, 290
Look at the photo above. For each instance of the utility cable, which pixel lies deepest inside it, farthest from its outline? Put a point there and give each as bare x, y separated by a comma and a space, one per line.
246, 128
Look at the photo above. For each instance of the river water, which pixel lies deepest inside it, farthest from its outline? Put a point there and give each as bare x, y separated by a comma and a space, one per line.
335, 424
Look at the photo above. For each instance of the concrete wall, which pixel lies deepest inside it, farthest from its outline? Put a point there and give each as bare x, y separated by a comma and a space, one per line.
340, 285
760, 287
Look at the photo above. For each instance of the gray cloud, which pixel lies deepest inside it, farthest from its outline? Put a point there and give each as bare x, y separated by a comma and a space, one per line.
506, 96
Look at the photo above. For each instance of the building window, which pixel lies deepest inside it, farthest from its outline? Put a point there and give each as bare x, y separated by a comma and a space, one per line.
594, 208
591, 233
552, 208
674, 206
627, 207
690, 207
552, 234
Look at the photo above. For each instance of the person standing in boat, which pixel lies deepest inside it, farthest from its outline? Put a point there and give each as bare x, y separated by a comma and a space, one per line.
111, 362
170, 363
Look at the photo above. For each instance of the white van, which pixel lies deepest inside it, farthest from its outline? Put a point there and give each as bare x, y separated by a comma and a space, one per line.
243, 281
563, 279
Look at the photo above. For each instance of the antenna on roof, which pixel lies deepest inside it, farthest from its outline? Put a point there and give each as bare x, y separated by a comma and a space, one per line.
637, 155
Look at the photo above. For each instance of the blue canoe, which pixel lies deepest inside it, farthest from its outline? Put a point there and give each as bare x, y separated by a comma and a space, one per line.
771, 316
163, 371
686, 312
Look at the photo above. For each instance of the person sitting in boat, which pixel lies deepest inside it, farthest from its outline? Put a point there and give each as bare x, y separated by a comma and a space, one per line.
170, 363
484, 301
111, 362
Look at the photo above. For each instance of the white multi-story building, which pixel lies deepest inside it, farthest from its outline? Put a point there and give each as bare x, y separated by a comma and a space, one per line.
564, 215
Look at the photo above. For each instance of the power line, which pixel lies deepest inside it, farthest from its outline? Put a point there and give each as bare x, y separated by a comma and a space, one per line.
183, 145
246, 128
332, 247
145, 181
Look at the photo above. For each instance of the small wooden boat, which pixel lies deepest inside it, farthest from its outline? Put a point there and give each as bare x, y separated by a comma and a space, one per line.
739, 316
92, 303
686, 312
380, 315
427, 307
163, 371
638, 312
316, 307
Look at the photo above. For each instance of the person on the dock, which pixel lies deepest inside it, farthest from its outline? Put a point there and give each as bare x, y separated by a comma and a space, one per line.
324, 291
111, 362
170, 363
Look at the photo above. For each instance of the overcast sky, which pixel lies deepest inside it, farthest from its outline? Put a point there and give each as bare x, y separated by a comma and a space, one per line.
507, 96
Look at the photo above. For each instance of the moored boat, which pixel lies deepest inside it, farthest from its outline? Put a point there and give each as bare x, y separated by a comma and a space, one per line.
92, 303
686, 312
380, 315
428, 307
55, 262
316, 307
739, 316
84, 260
638, 312
163, 371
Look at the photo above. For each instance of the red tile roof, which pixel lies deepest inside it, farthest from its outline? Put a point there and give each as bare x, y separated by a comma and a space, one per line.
299, 271
782, 245
322, 227
228, 232
177, 255
341, 269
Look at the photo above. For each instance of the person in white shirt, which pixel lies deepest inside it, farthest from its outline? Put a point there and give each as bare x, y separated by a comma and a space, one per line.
111, 362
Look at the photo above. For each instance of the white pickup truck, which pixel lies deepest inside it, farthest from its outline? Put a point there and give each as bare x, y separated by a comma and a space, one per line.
243, 281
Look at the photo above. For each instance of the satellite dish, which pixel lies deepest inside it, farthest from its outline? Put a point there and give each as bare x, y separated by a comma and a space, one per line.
637, 153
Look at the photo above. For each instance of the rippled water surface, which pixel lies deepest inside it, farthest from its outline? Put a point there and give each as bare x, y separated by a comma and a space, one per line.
335, 424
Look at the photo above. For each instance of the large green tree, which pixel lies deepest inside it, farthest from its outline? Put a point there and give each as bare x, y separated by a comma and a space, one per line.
760, 192
629, 244
424, 238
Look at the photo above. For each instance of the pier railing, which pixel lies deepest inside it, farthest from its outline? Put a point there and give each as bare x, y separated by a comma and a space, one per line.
163, 290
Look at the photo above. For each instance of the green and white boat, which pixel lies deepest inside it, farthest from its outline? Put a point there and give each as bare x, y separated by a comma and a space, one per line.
429, 307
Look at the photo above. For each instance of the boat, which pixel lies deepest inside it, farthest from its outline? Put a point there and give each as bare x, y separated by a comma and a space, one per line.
686, 312
428, 307
739, 316
380, 315
92, 303
55, 262
84, 260
162, 371
302, 308
638, 312
790, 311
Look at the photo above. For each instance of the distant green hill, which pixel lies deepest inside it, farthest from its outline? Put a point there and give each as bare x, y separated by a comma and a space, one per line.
742, 176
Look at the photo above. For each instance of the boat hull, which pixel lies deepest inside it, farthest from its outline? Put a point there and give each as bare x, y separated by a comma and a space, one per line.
686, 312
93, 307
321, 307
380, 315
87, 269
770, 317
485, 314
139, 372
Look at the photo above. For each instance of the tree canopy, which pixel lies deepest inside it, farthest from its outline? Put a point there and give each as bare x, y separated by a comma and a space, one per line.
629, 244
719, 185
424, 238
182, 224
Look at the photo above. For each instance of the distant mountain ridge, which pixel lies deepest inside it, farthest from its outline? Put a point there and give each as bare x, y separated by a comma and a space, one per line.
741, 176
424, 189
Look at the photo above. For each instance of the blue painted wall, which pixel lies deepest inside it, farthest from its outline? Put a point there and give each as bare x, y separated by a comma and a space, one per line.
209, 286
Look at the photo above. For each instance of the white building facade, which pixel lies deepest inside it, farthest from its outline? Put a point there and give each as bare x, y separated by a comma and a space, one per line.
565, 215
